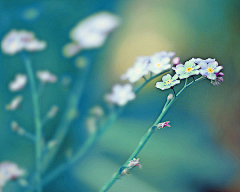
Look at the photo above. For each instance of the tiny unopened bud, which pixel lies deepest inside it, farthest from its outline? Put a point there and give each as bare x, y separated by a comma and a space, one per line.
97, 111
14, 126
170, 96
52, 112
52, 144
91, 124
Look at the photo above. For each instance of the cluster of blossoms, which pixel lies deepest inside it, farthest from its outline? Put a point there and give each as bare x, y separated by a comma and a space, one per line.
91, 33
133, 163
208, 68
9, 171
156, 63
16, 41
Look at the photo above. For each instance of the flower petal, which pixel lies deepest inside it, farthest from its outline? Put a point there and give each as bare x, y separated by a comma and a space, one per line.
166, 77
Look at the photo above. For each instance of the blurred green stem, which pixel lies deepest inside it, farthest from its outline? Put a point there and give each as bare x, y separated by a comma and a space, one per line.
37, 120
69, 115
146, 137
93, 138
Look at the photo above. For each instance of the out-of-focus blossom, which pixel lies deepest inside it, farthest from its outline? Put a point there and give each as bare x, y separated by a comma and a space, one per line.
46, 77
167, 82
52, 112
121, 94
97, 111
16, 128
133, 163
136, 72
164, 124
19, 82
187, 70
218, 80
14, 104
16, 41
9, 171
81, 62
91, 33
210, 70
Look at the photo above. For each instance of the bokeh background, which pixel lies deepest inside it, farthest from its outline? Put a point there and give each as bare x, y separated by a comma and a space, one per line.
200, 152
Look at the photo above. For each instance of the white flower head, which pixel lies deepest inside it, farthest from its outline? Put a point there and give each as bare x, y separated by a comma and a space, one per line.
16, 41
160, 61
121, 94
136, 72
91, 33
14, 104
46, 77
9, 171
19, 82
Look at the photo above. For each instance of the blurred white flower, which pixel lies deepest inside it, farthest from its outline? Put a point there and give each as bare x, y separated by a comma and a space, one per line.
51, 144
16, 41
46, 77
121, 94
91, 32
19, 82
9, 171
135, 73
14, 104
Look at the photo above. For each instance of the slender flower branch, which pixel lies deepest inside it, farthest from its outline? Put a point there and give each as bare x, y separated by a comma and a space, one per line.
68, 116
146, 137
37, 120
93, 138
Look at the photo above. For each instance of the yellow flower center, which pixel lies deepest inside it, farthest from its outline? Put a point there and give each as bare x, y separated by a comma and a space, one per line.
168, 82
158, 64
210, 70
189, 69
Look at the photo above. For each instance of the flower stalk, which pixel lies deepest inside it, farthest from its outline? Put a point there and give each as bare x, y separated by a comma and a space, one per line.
147, 136
37, 121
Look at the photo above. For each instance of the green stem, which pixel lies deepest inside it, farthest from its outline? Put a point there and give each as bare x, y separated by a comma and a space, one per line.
92, 139
145, 138
37, 120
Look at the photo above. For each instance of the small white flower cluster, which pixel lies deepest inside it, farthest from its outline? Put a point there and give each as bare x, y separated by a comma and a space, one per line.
91, 33
18, 83
14, 104
16, 41
9, 171
156, 63
133, 163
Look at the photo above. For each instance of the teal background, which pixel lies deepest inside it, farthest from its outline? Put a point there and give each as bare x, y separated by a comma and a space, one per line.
200, 152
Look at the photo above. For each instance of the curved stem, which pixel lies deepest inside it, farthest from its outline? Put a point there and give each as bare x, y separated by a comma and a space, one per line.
93, 138
37, 120
145, 138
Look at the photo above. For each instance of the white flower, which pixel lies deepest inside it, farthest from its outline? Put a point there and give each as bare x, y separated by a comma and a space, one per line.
121, 94
14, 104
136, 72
16, 41
91, 32
160, 61
19, 82
46, 77
9, 171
